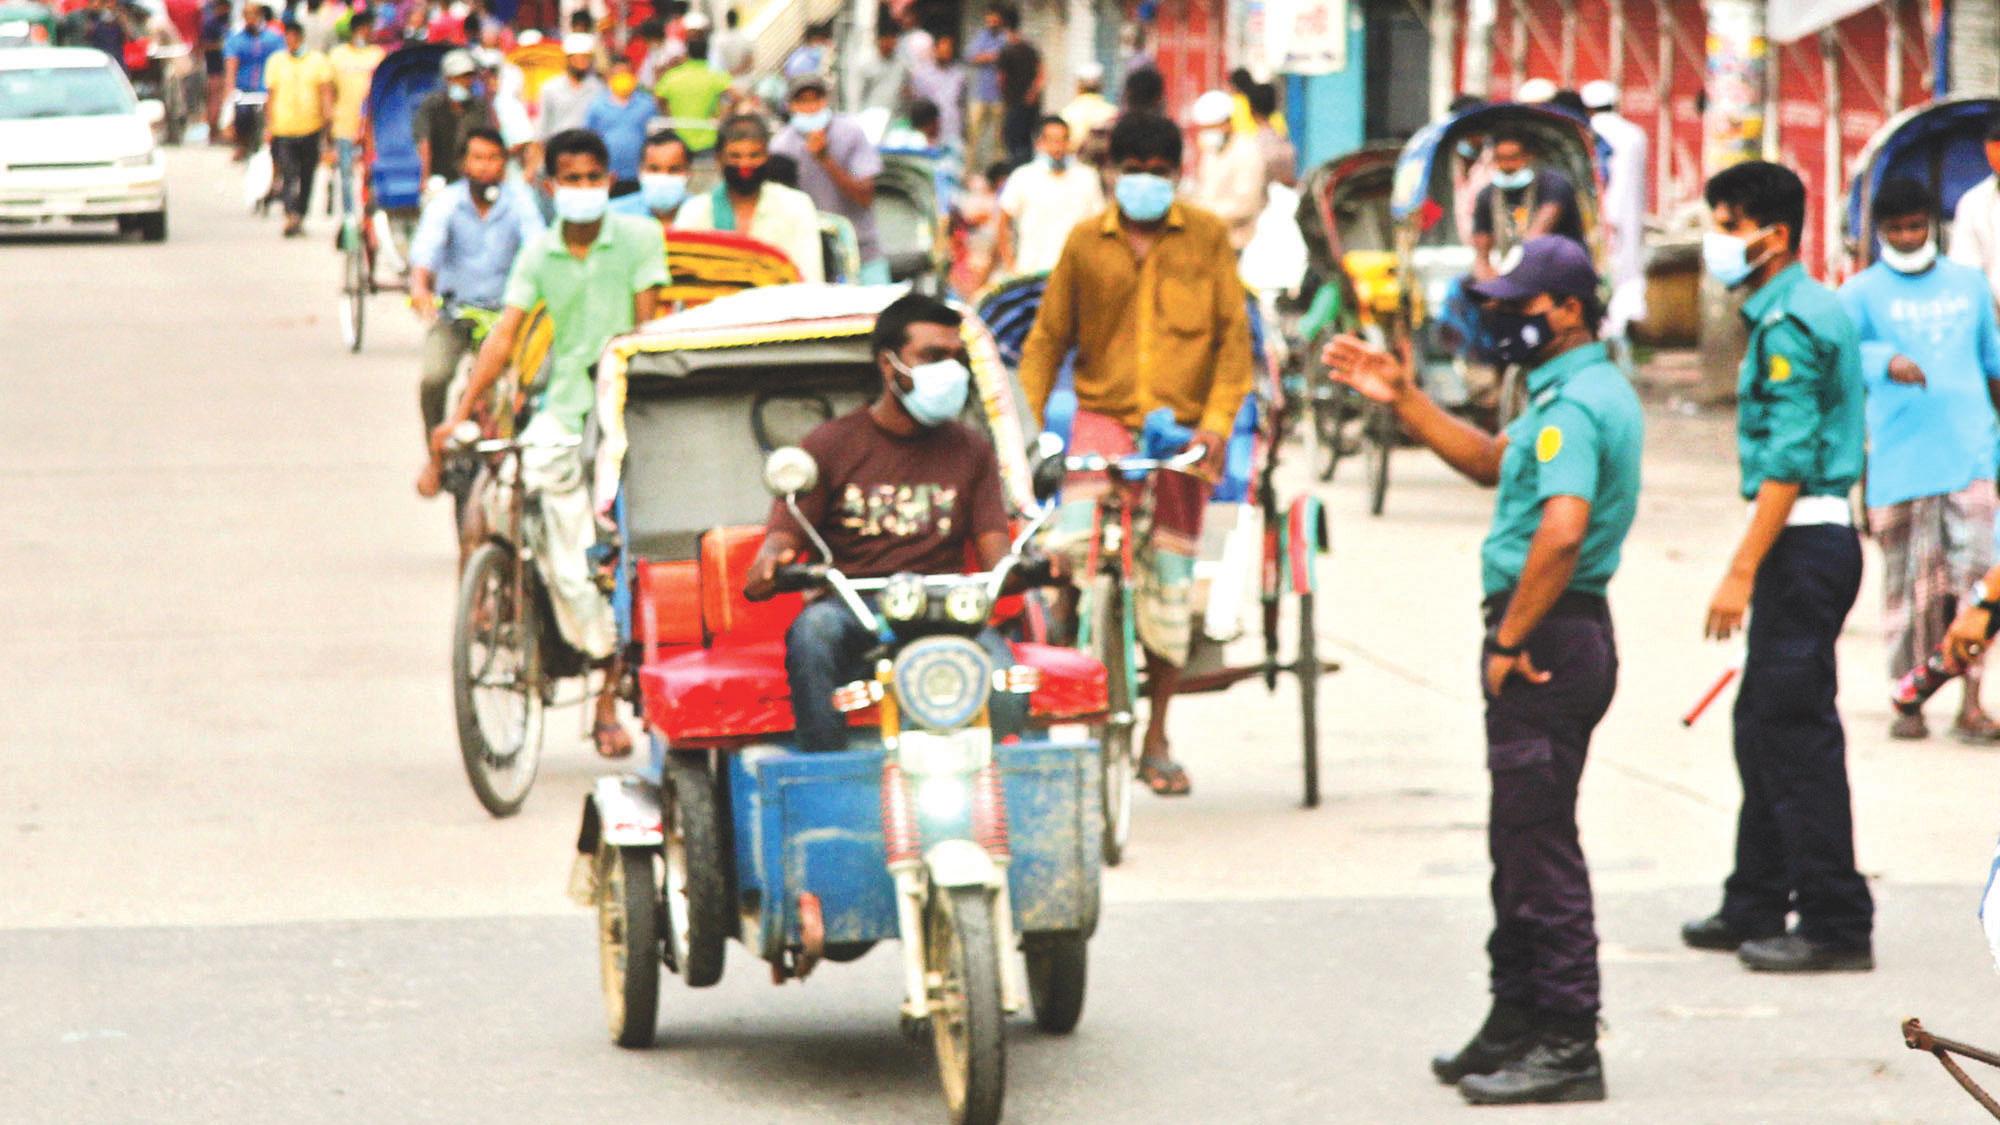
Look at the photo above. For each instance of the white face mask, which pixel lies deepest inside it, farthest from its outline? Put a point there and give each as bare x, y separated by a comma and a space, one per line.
1916, 261
581, 205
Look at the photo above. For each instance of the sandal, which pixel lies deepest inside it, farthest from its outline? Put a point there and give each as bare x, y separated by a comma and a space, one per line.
1981, 731
1164, 777
611, 740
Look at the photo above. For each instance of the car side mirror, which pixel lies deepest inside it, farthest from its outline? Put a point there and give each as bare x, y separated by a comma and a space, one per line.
1048, 470
152, 111
790, 471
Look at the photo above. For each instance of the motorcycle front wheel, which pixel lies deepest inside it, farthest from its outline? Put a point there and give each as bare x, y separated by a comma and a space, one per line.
496, 671
962, 960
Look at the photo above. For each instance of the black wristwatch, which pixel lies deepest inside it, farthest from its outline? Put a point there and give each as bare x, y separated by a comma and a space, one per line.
1495, 648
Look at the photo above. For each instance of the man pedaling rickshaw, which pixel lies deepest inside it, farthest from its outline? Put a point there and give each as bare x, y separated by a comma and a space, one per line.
598, 274
903, 488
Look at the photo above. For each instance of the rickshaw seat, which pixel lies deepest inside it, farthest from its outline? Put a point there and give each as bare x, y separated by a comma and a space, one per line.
726, 555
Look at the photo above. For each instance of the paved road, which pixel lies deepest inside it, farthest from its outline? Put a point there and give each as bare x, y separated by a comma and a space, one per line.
242, 873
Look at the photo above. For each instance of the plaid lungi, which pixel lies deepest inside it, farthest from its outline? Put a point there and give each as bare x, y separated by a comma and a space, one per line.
1166, 534
1933, 549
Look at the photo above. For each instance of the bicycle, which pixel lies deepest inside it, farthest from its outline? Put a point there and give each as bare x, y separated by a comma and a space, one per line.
461, 467
506, 655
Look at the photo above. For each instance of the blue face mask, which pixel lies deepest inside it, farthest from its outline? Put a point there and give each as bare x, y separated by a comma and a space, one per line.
1515, 180
662, 191
937, 390
1727, 257
1467, 151
1144, 197
458, 93
812, 122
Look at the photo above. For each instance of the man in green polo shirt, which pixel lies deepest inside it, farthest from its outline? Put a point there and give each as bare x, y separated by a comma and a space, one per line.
598, 274
691, 91
1801, 441
1568, 477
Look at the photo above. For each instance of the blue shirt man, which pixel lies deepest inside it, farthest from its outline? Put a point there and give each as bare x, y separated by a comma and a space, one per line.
249, 46
622, 124
470, 254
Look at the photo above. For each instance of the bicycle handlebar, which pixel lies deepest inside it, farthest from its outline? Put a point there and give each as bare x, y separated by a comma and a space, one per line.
1098, 463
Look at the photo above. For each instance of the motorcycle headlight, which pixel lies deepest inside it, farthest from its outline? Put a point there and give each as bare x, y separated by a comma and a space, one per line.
903, 597
967, 604
942, 683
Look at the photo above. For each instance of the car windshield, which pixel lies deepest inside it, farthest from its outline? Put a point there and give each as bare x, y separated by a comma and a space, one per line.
66, 91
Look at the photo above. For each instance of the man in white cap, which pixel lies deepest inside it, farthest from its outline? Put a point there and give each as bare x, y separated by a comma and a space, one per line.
1089, 110
1233, 178
445, 117
567, 97
1624, 214
1535, 91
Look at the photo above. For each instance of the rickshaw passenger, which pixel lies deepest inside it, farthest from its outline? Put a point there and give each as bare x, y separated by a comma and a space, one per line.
748, 200
903, 488
598, 275
1523, 202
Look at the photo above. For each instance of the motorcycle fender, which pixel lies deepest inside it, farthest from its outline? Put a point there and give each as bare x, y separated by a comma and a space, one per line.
961, 863
623, 812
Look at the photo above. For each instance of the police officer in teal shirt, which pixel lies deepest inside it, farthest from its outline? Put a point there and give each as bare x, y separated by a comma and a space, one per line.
1800, 439
1568, 476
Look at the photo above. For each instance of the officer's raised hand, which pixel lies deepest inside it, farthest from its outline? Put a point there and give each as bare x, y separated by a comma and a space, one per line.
1375, 373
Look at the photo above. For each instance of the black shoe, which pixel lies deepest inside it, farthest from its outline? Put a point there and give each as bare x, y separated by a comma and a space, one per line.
1714, 933
1793, 953
1562, 1065
1508, 1031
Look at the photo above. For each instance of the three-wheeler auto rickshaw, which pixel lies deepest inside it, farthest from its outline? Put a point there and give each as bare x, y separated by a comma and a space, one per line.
1250, 541
1434, 241
975, 849
1941, 145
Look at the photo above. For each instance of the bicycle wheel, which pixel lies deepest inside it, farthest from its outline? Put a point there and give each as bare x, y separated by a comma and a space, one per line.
1308, 677
353, 287
1331, 412
1381, 437
496, 680
1109, 641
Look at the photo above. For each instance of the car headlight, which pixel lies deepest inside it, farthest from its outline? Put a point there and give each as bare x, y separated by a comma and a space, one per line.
138, 160
967, 604
942, 683
903, 597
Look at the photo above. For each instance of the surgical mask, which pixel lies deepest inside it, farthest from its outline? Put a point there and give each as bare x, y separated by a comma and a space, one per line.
1057, 164
1727, 257
743, 181
1515, 180
1513, 337
812, 122
937, 390
1144, 197
1467, 151
1916, 261
662, 191
299, 51
1212, 140
458, 93
582, 204
622, 85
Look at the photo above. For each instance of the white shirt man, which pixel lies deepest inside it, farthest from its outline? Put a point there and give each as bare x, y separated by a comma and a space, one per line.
1975, 226
1044, 200
1624, 206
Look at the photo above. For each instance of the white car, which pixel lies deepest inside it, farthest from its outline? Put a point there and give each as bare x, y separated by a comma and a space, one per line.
76, 144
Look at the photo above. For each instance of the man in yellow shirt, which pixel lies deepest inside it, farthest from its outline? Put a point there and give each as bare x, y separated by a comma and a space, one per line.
301, 88
354, 64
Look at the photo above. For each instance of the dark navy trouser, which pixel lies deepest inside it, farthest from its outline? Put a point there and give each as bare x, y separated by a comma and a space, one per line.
1795, 834
1543, 950
827, 646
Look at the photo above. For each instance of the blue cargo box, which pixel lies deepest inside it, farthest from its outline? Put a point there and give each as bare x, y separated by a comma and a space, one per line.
813, 823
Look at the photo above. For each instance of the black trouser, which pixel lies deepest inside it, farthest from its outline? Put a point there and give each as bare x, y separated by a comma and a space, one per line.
1017, 130
1795, 835
1543, 950
249, 127
295, 159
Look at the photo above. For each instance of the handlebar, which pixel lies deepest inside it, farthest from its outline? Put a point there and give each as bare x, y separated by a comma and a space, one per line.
461, 440
1098, 463
793, 578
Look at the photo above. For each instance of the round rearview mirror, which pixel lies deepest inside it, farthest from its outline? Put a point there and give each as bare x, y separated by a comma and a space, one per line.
790, 471
1046, 468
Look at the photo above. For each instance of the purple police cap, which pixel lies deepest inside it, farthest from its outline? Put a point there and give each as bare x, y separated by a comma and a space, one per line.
1549, 264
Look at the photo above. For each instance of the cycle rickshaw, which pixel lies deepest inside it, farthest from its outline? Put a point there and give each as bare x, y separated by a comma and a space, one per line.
1941, 145
972, 850
1247, 530
1434, 252
390, 192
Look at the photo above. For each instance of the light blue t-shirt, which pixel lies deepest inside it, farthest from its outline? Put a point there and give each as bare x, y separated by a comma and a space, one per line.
623, 128
1937, 438
471, 254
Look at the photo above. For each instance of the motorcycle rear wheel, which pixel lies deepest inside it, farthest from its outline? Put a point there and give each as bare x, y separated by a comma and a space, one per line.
696, 887
1058, 969
968, 1033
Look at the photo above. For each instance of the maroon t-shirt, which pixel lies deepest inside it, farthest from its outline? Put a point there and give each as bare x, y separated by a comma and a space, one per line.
888, 504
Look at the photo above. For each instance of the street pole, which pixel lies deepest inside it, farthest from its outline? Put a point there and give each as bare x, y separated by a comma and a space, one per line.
1733, 129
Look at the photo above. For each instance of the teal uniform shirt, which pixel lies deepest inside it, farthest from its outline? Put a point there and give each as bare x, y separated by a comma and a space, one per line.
1799, 399
1581, 436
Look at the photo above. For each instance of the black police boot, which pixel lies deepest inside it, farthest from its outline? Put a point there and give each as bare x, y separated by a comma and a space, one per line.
1714, 933
1562, 1065
1507, 1032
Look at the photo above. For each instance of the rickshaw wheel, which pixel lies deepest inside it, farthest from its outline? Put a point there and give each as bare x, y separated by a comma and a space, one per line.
353, 289
1114, 736
696, 886
1057, 973
962, 965
628, 943
496, 681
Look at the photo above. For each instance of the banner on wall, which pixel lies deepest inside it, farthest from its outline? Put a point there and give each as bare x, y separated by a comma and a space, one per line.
1791, 20
1306, 37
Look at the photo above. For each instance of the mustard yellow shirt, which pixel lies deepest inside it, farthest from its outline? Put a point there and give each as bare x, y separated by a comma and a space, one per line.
1170, 330
296, 83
